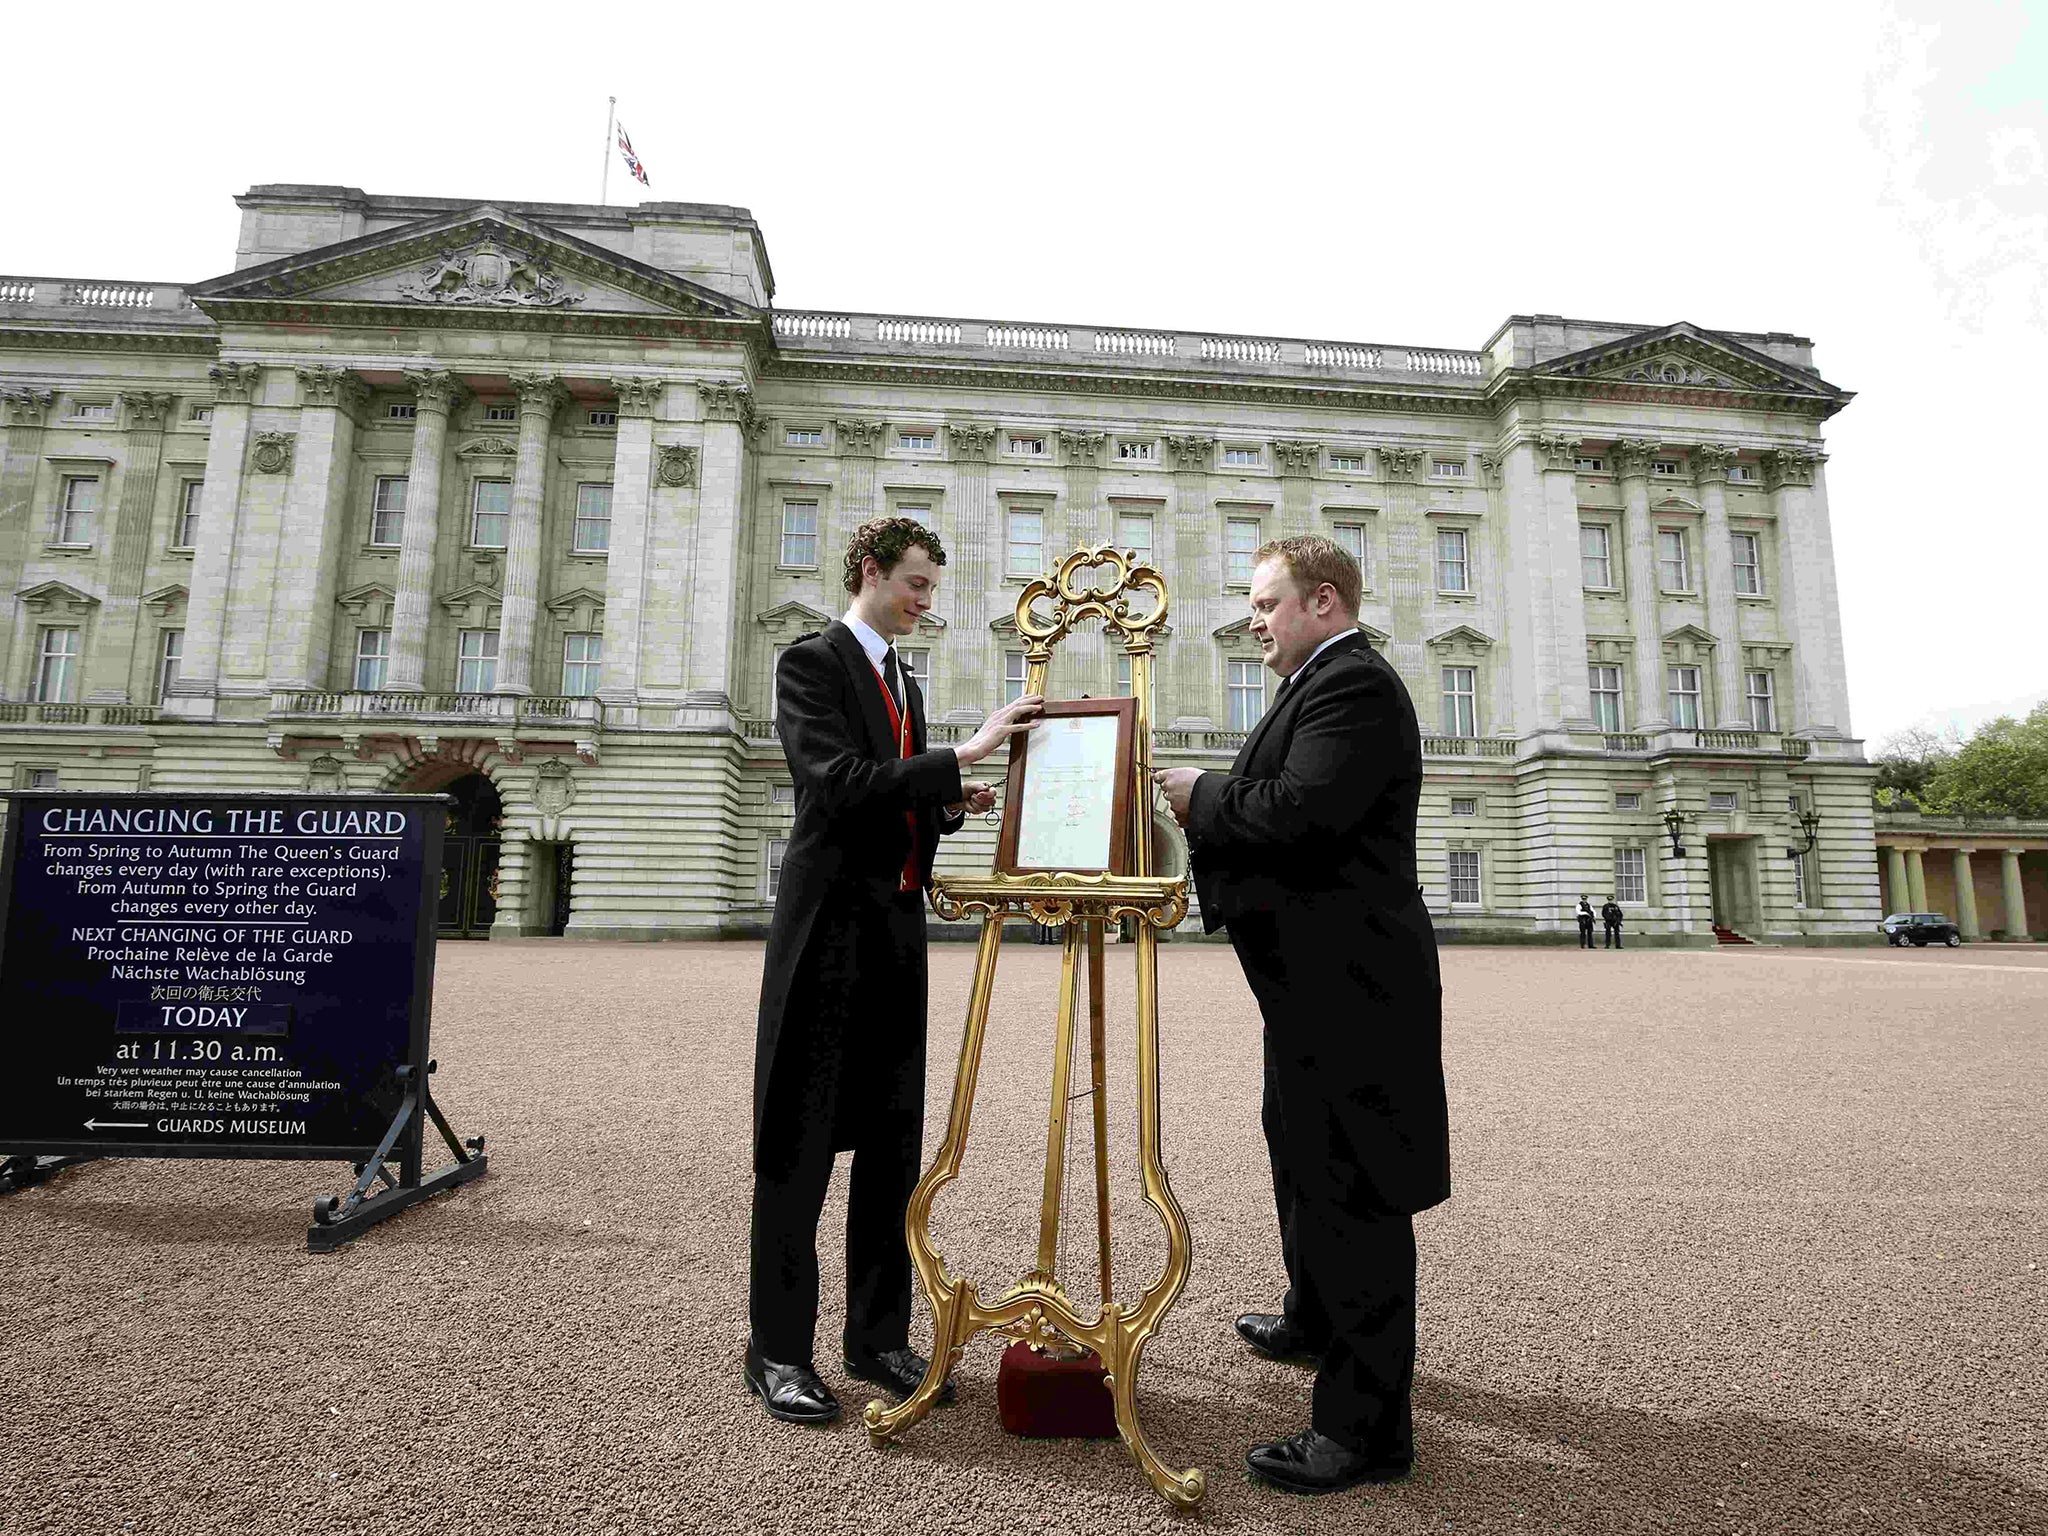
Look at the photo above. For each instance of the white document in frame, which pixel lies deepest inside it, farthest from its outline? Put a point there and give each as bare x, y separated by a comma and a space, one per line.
1069, 794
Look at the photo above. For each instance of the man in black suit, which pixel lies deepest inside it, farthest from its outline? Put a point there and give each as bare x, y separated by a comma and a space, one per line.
839, 1057
1305, 851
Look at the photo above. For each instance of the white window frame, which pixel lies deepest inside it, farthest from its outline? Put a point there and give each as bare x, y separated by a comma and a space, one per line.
476, 660
1447, 469
380, 508
200, 413
1139, 523
1682, 689
803, 437
1592, 466
919, 512
1241, 456
1244, 685
1762, 702
1603, 682
477, 513
1023, 556
77, 521
1724, 800
1596, 570
589, 521
1454, 858
1241, 558
1013, 676
1742, 474
1667, 467
170, 655
1458, 564
185, 523
1461, 701
1137, 450
92, 410
41, 778
1347, 463
798, 550
373, 660
582, 673
918, 442
771, 866
1632, 876
399, 410
601, 418
501, 413
917, 665
1464, 805
1362, 554
1744, 541
1674, 577
60, 649
1026, 445
1628, 799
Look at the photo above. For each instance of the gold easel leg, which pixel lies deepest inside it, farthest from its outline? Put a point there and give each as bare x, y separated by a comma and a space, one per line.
1182, 1489
1056, 1121
952, 1301
1097, 1092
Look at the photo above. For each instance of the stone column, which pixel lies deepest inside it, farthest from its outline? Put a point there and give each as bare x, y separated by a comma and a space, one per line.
235, 388
315, 526
1296, 460
1916, 879
111, 666
1710, 463
435, 394
1966, 895
728, 414
1411, 568
625, 574
25, 410
539, 396
2015, 894
1895, 885
977, 551
1546, 608
1192, 690
1639, 544
1806, 590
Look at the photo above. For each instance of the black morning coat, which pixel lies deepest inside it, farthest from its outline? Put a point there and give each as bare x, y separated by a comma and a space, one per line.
839, 1054
1305, 850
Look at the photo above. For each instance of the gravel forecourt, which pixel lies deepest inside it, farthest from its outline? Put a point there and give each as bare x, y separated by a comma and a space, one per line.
1738, 1242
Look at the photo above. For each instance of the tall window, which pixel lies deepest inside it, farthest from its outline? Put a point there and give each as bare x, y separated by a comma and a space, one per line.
582, 664
1247, 682
1674, 568
1134, 531
170, 651
593, 531
373, 656
917, 665
1799, 881
1763, 714
799, 533
1606, 685
186, 534
1461, 701
1350, 537
774, 671
1463, 872
1453, 562
1596, 558
1013, 676
1749, 569
57, 668
1241, 547
490, 513
1026, 537
1685, 696
1631, 876
476, 661
387, 510
77, 507
777, 848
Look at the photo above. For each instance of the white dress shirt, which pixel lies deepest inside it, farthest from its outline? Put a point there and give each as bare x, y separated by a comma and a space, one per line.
1312, 655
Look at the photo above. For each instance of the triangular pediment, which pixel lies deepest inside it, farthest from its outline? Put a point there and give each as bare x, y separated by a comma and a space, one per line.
1685, 356
164, 599
797, 612
1460, 635
1690, 632
473, 592
475, 261
569, 602
52, 594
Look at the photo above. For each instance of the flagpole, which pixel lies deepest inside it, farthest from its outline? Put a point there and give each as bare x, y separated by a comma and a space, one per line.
605, 186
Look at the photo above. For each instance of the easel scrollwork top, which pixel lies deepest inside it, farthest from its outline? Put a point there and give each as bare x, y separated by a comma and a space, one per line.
1130, 599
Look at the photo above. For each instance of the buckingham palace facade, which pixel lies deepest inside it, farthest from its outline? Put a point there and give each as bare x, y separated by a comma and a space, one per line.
517, 501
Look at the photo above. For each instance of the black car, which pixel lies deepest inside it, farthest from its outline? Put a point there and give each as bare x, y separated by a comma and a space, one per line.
1921, 928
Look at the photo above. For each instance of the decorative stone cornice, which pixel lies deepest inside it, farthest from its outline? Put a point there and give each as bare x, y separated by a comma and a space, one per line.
27, 407
970, 440
147, 410
337, 387
856, 437
728, 402
1190, 451
434, 389
1296, 457
675, 465
1080, 448
1397, 463
488, 274
1791, 466
273, 452
496, 446
539, 394
1557, 450
1632, 456
1710, 462
638, 397
235, 383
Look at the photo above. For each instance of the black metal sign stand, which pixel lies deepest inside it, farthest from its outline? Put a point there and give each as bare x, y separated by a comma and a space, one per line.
337, 1221
25, 1170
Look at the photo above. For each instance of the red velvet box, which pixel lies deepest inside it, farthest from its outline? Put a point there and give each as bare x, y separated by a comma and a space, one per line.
1043, 1398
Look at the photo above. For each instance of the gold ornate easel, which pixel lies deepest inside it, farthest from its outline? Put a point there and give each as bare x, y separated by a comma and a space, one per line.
1037, 1309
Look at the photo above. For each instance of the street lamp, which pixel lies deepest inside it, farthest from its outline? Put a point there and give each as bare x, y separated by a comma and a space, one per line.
1809, 823
1674, 820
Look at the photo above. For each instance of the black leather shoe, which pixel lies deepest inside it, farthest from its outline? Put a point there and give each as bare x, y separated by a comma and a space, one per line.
792, 1393
1277, 1338
895, 1370
1313, 1463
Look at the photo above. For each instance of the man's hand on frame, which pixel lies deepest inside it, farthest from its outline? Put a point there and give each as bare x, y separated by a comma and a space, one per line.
1178, 785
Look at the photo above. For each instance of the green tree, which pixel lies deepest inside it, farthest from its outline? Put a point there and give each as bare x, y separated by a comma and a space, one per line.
1905, 767
2002, 770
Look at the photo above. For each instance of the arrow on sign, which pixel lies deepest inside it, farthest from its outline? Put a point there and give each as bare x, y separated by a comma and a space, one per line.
117, 1125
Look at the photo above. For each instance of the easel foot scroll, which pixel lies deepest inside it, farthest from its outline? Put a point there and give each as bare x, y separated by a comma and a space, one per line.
949, 1338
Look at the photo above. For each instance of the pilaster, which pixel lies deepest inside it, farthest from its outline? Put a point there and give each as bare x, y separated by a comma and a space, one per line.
1296, 460
25, 411
309, 547
1710, 463
1632, 456
111, 666
1546, 605
1195, 693
1806, 589
435, 394
858, 442
235, 388
539, 397
625, 576
1082, 454
1411, 567
728, 411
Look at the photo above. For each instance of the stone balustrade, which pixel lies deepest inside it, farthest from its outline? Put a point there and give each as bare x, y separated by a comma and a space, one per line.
77, 714
55, 295
486, 709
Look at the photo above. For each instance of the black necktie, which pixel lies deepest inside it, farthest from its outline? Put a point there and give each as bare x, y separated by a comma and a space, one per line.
889, 676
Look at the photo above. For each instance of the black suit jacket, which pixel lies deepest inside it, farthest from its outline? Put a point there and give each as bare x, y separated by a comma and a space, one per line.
1305, 850
840, 876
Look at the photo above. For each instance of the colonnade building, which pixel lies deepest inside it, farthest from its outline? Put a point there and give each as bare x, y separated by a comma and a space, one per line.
520, 500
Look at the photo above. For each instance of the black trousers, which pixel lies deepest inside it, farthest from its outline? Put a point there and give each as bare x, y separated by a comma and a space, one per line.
1585, 933
1613, 937
782, 1292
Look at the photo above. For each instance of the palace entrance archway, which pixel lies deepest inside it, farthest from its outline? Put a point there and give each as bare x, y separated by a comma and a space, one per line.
469, 858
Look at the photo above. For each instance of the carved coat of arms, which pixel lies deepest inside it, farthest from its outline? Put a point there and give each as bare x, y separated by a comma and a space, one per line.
489, 275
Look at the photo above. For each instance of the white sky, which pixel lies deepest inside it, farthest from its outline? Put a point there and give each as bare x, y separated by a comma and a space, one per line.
1874, 176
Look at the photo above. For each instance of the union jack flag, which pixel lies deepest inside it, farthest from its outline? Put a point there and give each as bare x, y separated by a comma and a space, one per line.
632, 160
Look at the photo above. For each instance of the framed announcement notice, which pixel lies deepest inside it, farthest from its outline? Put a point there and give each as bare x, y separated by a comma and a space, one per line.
1067, 805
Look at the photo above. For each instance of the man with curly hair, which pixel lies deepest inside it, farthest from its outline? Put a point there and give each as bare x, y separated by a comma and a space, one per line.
839, 1055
